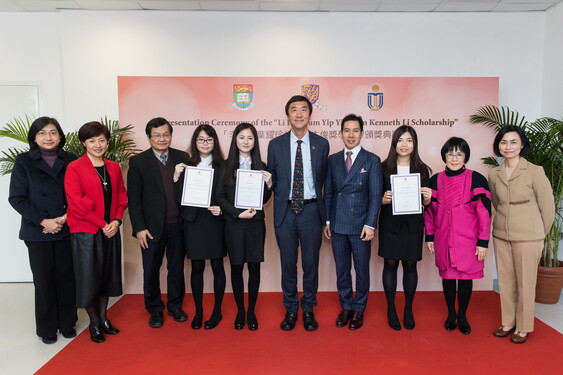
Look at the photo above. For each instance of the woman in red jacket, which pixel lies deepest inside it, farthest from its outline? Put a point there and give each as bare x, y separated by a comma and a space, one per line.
96, 201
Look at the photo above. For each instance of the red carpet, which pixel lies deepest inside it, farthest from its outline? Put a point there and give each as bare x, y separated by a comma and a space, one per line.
374, 349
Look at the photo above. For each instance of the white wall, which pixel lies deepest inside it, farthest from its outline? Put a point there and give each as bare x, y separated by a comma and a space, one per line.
552, 100
76, 56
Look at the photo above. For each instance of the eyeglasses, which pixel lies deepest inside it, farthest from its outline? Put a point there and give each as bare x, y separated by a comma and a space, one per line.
52, 133
452, 156
202, 141
159, 136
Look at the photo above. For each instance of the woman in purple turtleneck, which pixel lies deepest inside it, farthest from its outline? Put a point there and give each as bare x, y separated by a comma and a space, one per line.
457, 223
37, 193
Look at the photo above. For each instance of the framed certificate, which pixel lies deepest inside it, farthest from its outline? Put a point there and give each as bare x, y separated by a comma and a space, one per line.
198, 185
406, 194
249, 191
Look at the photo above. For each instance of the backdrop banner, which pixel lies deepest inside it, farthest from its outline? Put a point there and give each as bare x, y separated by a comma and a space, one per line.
437, 107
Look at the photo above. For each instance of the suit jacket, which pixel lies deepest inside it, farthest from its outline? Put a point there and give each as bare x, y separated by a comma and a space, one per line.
37, 193
85, 195
225, 196
279, 164
353, 199
524, 204
147, 199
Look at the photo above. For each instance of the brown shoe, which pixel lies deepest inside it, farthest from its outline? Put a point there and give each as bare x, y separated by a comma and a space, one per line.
357, 320
517, 339
343, 318
500, 332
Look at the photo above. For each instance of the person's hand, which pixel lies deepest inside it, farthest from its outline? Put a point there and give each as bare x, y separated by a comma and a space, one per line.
51, 226
267, 177
326, 231
430, 247
481, 253
142, 238
426, 195
61, 219
111, 229
387, 197
367, 233
178, 169
247, 214
215, 210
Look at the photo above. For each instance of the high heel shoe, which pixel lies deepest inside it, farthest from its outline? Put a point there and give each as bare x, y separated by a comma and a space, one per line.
213, 321
252, 322
464, 326
108, 329
450, 324
96, 334
239, 321
196, 322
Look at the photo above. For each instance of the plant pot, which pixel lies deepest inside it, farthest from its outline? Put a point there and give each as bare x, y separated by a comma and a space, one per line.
549, 284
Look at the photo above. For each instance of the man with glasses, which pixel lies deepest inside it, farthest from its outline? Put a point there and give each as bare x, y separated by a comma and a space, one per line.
155, 218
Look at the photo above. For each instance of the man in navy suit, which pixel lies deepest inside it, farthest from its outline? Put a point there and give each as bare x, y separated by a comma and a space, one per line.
297, 161
353, 198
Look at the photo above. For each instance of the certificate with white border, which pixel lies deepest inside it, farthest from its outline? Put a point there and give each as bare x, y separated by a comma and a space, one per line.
198, 187
406, 194
249, 191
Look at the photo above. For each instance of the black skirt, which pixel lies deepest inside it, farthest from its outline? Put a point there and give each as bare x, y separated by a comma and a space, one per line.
245, 240
402, 245
97, 266
204, 238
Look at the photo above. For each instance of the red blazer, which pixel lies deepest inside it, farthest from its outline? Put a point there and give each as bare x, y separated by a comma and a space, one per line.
85, 197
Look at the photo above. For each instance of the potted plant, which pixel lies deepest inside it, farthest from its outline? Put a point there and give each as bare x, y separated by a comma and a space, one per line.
120, 147
546, 143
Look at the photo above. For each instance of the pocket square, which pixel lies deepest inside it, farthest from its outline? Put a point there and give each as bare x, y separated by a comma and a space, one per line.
363, 170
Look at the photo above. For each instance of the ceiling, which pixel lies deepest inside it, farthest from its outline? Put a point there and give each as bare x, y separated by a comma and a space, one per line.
283, 5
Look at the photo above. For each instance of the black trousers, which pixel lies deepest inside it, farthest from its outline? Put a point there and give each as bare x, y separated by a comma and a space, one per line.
172, 243
55, 293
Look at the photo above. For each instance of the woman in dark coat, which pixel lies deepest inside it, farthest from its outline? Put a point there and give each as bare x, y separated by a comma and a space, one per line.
37, 193
245, 231
400, 236
203, 227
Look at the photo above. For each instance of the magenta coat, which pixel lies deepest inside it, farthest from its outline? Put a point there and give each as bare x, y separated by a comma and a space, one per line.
458, 220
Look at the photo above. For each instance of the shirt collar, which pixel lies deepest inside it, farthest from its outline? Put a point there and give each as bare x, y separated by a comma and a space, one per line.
355, 150
293, 138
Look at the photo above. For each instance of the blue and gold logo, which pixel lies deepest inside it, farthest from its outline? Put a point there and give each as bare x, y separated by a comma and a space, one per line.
375, 98
242, 94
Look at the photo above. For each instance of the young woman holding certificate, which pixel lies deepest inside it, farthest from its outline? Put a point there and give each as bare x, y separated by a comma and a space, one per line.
400, 236
203, 227
458, 223
245, 231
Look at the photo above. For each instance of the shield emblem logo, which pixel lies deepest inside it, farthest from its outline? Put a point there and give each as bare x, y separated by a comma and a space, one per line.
375, 101
242, 94
311, 92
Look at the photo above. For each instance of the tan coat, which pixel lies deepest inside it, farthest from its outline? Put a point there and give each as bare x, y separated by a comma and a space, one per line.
524, 206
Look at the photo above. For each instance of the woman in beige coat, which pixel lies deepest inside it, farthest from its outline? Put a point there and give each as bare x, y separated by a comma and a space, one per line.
524, 213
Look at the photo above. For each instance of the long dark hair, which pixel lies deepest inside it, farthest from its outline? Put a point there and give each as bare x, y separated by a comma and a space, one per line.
216, 153
232, 162
417, 165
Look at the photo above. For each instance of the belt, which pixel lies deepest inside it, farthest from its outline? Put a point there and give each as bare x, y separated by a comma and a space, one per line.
305, 201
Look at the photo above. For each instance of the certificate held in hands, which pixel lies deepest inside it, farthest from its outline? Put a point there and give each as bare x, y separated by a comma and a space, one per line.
406, 194
249, 189
198, 186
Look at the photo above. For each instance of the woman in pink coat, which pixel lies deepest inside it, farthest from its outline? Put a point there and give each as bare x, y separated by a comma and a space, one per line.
457, 224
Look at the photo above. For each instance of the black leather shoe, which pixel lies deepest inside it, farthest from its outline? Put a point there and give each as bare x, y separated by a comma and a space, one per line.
393, 320
213, 321
343, 318
49, 339
450, 324
239, 321
179, 315
252, 322
108, 329
196, 322
156, 320
357, 320
288, 323
408, 320
69, 334
96, 334
309, 321
464, 326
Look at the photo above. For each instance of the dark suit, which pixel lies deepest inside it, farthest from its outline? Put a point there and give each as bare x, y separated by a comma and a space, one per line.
37, 193
306, 227
147, 210
352, 201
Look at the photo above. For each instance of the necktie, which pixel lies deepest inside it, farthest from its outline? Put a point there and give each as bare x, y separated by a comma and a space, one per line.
163, 158
348, 161
297, 189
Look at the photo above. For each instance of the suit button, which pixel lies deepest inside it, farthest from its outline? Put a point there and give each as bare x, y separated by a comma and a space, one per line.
339, 193
360, 183
351, 210
353, 195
